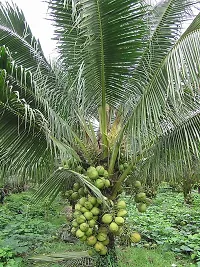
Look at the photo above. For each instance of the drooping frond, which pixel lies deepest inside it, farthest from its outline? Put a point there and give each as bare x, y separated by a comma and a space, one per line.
57, 181
164, 94
23, 128
16, 34
174, 152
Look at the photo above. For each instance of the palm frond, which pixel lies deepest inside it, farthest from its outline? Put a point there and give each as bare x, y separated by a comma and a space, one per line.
15, 33
105, 37
177, 74
23, 129
174, 152
55, 183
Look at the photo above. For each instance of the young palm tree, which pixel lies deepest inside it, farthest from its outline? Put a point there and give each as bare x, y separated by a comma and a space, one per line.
125, 87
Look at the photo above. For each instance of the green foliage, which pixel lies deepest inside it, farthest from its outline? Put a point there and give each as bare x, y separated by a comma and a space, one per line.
170, 223
24, 228
8, 259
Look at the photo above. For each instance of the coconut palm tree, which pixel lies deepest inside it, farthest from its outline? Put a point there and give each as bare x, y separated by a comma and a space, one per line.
124, 89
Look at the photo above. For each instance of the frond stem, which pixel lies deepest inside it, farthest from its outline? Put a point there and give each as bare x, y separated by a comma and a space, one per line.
103, 109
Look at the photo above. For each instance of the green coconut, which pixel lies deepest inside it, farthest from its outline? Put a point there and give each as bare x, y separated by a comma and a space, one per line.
83, 238
88, 205
79, 233
137, 184
121, 204
92, 173
67, 194
140, 197
84, 227
103, 251
107, 183
70, 192
92, 223
107, 218
89, 232
88, 215
76, 186
142, 207
78, 206
135, 237
100, 170
91, 241
77, 213
82, 200
92, 200
101, 236
83, 209
105, 174
80, 219
75, 196
113, 227
99, 246
106, 242
73, 230
121, 213
95, 211
75, 224
81, 191
103, 229
119, 220
99, 183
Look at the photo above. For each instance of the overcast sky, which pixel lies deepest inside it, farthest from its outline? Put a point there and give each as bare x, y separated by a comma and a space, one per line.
35, 12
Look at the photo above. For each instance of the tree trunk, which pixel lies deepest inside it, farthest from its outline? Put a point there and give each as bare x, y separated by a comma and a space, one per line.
110, 259
187, 189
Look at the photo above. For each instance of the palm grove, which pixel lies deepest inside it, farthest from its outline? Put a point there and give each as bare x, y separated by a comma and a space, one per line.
121, 103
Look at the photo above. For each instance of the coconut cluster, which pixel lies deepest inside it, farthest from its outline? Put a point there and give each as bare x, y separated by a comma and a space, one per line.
140, 197
114, 221
123, 166
76, 192
93, 227
86, 224
93, 224
89, 224
98, 176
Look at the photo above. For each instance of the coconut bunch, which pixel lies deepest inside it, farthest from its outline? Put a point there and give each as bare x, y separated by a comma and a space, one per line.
123, 166
98, 176
85, 217
77, 191
140, 197
92, 226
86, 223
115, 219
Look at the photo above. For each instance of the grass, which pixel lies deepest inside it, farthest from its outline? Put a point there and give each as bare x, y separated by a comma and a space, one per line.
140, 257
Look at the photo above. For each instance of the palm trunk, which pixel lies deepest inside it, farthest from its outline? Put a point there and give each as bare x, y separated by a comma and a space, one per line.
110, 260
187, 188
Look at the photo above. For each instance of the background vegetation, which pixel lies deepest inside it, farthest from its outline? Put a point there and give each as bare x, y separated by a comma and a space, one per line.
168, 225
